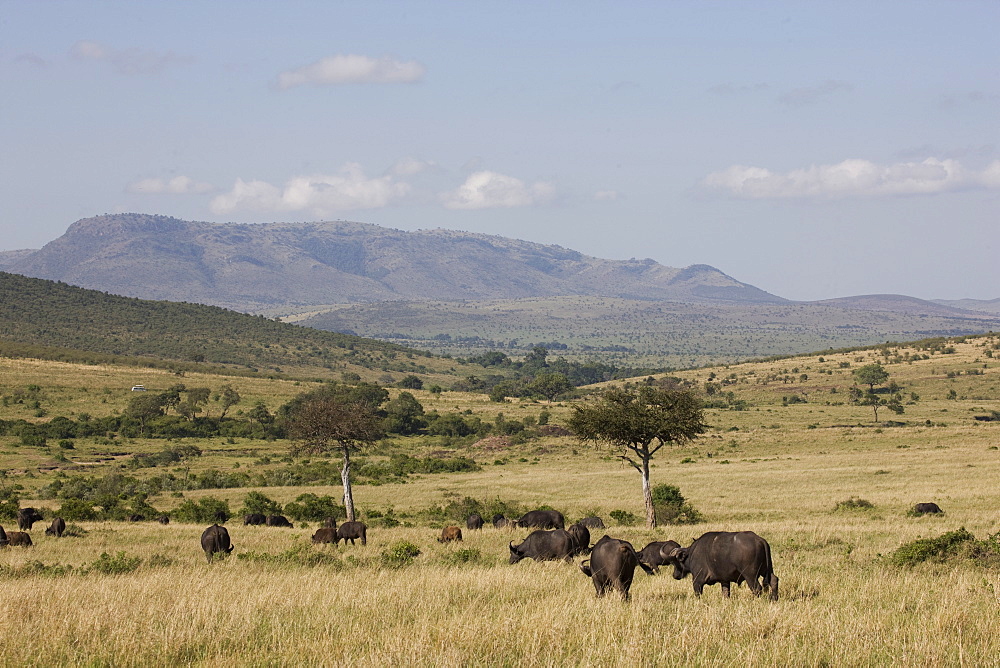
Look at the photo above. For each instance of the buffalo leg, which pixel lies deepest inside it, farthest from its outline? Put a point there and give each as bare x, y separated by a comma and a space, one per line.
725, 589
698, 587
773, 587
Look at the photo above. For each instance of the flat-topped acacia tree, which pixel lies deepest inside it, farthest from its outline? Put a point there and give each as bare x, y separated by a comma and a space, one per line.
636, 423
343, 419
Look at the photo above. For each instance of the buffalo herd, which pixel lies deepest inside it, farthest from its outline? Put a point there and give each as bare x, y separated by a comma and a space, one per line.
717, 557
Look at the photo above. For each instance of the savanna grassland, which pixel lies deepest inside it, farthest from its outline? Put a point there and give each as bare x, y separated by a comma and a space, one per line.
141, 593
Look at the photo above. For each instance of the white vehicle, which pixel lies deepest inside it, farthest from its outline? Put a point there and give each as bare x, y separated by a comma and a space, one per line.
138, 388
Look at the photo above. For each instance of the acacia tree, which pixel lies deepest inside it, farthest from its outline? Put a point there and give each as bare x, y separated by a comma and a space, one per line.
872, 375
636, 423
326, 422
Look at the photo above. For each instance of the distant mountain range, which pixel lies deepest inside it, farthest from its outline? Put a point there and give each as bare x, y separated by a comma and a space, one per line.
294, 265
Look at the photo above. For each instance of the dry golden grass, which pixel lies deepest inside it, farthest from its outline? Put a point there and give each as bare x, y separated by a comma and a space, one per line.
779, 470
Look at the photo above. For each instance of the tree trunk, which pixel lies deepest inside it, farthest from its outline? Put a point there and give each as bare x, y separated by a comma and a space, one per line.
345, 477
647, 495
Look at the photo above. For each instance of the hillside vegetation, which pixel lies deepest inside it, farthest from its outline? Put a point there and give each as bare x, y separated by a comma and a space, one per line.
642, 333
49, 319
790, 454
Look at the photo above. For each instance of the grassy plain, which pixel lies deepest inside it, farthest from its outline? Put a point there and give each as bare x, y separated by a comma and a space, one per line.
777, 467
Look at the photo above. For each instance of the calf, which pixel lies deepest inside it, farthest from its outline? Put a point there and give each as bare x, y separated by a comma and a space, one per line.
449, 534
612, 566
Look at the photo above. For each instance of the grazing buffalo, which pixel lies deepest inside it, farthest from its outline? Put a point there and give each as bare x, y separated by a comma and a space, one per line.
474, 521
501, 522
277, 521
26, 517
543, 545
926, 509
652, 554
56, 528
592, 522
163, 519
136, 518
221, 517
581, 538
254, 519
325, 535
15, 538
4, 540
542, 519
330, 523
612, 565
449, 534
724, 557
215, 540
349, 531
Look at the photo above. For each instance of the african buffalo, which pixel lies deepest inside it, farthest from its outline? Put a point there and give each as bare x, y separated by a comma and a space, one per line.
474, 521
221, 517
136, 518
215, 540
542, 519
501, 522
651, 554
325, 535
254, 519
4, 540
612, 565
26, 517
15, 538
724, 557
581, 538
449, 534
543, 545
277, 521
592, 522
163, 519
56, 528
926, 509
349, 531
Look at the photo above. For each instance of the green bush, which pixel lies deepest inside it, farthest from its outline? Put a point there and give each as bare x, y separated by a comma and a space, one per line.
671, 507
945, 546
118, 564
462, 557
399, 555
854, 503
624, 518
78, 510
312, 508
300, 554
200, 512
255, 502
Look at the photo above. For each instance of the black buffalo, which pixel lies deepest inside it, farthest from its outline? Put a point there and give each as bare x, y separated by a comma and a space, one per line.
592, 522
136, 518
725, 557
277, 521
4, 540
474, 521
221, 517
350, 531
926, 509
254, 519
612, 566
163, 519
26, 517
542, 519
652, 554
543, 545
15, 538
325, 535
581, 538
501, 522
56, 528
215, 540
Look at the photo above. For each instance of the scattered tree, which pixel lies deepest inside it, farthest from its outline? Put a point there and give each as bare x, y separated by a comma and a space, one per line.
636, 423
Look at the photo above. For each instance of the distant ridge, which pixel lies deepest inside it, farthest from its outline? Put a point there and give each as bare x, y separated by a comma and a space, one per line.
983, 305
272, 266
896, 304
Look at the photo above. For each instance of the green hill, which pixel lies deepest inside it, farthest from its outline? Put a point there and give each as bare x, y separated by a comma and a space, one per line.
52, 320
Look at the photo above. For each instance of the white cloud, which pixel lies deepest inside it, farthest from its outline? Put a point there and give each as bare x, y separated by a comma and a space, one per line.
851, 178
488, 190
320, 194
179, 185
352, 68
607, 195
410, 167
124, 61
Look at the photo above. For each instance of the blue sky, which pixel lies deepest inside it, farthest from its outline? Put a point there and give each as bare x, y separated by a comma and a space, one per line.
812, 149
